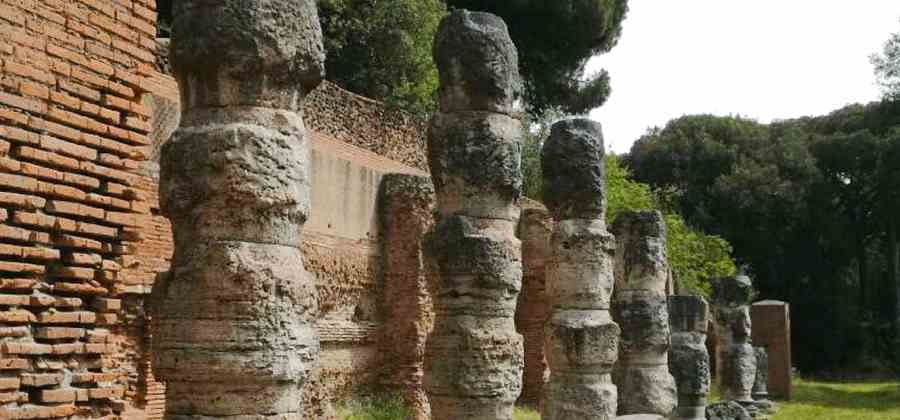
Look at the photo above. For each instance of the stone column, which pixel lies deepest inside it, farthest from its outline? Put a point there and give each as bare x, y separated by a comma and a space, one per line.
233, 321
474, 356
640, 308
688, 357
535, 228
581, 338
406, 204
735, 357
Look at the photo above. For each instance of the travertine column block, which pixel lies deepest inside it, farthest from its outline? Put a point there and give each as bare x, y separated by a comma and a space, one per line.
640, 308
535, 229
735, 357
474, 357
233, 321
581, 338
688, 355
407, 203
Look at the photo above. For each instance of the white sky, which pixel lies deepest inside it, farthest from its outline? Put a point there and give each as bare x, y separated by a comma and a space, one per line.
762, 59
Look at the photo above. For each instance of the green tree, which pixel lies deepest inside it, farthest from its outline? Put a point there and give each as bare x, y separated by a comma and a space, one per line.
555, 40
382, 49
887, 67
694, 257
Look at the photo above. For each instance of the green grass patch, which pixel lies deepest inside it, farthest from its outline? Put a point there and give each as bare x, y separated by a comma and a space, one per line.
391, 408
813, 400
842, 401
523, 413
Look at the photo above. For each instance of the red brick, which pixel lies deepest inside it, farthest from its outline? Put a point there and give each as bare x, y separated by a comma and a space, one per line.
34, 89
16, 316
26, 348
66, 148
41, 379
80, 90
14, 300
27, 104
55, 333
22, 201
30, 72
71, 241
14, 364
65, 100
56, 395
7, 383
20, 136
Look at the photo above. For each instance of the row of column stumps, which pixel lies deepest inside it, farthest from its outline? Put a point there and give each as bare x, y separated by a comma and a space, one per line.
474, 357
640, 308
233, 321
581, 338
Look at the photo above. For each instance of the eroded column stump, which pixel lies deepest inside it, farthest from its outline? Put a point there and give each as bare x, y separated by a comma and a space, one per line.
233, 321
640, 308
474, 356
581, 337
688, 355
735, 356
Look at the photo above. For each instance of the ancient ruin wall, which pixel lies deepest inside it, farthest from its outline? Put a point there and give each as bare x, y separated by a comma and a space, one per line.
367, 124
73, 131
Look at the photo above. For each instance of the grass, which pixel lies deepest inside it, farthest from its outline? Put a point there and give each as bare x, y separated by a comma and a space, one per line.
842, 401
812, 401
391, 408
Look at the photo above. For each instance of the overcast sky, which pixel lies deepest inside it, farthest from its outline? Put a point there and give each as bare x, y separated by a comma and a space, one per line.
762, 59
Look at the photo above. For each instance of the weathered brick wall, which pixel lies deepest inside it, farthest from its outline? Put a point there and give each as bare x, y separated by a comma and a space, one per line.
367, 124
79, 245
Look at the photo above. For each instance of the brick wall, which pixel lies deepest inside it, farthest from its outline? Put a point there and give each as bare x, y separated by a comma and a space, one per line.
79, 244
367, 124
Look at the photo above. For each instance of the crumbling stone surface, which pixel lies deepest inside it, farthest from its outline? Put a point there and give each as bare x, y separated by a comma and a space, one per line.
233, 324
571, 166
581, 338
474, 357
406, 215
726, 410
735, 357
535, 229
688, 355
265, 53
478, 64
640, 307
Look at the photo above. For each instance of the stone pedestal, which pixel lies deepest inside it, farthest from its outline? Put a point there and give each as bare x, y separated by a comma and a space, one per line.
581, 337
772, 322
474, 357
640, 308
233, 321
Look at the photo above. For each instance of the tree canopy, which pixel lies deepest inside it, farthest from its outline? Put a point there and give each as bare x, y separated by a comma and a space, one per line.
555, 40
382, 49
809, 206
887, 67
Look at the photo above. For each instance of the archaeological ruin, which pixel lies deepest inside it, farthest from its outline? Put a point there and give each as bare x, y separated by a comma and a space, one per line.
207, 228
582, 340
640, 308
474, 356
